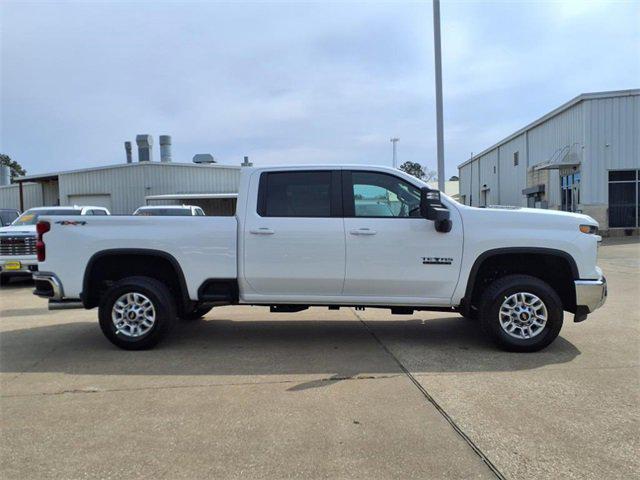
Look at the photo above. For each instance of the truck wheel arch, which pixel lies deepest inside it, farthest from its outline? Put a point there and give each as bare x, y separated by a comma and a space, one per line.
90, 295
494, 254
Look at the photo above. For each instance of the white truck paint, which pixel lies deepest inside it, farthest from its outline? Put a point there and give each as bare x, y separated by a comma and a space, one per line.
18, 240
340, 258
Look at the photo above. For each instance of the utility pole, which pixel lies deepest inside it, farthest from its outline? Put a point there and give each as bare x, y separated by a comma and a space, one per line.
439, 122
395, 140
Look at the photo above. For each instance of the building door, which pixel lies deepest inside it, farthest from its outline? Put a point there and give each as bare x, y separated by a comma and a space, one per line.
624, 198
570, 191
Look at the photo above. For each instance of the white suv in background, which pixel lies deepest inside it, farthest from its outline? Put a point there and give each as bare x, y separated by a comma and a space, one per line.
18, 240
170, 211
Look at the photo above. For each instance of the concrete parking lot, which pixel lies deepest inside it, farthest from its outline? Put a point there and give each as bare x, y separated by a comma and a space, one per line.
322, 394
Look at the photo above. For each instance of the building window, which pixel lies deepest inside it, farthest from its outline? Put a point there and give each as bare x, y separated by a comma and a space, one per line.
570, 191
494, 169
516, 158
624, 197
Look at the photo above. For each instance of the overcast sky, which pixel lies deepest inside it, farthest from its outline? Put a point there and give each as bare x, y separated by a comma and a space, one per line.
296, 82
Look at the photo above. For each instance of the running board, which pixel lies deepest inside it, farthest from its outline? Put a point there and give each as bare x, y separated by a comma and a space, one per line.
64, 304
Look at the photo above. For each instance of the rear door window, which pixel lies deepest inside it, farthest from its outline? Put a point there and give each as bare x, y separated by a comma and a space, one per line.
295, 194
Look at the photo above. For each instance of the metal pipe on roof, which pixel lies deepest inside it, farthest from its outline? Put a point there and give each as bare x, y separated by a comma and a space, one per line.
165, 148
145, 148
127, 149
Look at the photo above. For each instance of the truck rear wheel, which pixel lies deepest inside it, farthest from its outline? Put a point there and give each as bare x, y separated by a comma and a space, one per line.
137, 312
521, 313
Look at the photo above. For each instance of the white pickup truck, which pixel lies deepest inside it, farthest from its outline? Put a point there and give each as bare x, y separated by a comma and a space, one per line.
331, 236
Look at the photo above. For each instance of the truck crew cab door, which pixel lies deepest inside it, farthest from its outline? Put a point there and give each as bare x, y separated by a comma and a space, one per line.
393, 254
294, 247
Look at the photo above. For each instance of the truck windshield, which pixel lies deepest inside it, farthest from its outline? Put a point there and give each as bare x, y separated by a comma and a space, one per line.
165, 212
30, 217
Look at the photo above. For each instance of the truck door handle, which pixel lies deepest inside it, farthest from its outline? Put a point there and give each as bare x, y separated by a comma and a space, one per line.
363, 231
262, 231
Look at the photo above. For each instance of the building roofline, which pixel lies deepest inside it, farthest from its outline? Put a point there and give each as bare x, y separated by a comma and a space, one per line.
55, 175
565, 106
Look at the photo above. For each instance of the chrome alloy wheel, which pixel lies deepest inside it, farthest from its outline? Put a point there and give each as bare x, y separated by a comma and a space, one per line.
523, 315
133, 315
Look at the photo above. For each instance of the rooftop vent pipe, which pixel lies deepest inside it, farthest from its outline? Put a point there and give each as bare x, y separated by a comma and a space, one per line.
5, 175
203, 158
127, 148
165, 148
145, 148
246, 162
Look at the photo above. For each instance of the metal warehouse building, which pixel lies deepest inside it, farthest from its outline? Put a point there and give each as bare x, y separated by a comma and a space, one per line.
584, 156
124, 187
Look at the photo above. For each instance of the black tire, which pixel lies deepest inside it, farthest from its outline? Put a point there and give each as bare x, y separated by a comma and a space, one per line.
471, 315
495, 294
163, 303
195, 314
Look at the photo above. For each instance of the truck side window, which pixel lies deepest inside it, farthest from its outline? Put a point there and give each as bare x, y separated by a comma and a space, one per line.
99, 212
295, 194
382, 195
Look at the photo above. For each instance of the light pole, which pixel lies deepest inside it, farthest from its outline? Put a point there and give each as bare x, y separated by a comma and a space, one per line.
395, 140
439, 122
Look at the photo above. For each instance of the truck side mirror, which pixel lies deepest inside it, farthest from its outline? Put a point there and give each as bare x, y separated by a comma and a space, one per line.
432, 208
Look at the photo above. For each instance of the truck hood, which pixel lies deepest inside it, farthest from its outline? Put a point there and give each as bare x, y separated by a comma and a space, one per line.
530, 216
18, 230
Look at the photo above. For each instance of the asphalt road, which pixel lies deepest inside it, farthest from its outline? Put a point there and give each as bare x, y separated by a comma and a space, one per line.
321, 394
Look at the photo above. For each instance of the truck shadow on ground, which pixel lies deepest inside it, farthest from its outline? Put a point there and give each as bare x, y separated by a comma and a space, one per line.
336, 350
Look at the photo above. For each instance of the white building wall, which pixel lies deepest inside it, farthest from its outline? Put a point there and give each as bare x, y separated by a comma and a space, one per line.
488, 179
513, 179
10, 195
129, 184
465, 184
559, 134
612, 133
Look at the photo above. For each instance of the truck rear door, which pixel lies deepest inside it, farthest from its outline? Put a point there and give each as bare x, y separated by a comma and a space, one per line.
294, 244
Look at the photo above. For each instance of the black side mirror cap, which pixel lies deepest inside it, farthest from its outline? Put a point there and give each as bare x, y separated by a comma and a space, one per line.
431, 206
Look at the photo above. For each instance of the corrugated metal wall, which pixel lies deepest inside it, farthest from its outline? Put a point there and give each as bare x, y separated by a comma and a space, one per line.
612, 134
129, 184
601, 133
552, 138
513, 178
465, 184
10, 196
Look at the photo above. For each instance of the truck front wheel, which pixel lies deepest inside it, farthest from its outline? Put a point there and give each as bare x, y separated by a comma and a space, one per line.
137, 312
521, 313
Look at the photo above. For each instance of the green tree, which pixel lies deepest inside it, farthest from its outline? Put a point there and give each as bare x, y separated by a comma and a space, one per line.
418, 171
15, 167
413, 168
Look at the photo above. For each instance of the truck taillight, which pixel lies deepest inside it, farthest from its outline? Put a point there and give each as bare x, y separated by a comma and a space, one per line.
41, 229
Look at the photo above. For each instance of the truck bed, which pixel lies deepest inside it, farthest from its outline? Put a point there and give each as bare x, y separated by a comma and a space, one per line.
203, 246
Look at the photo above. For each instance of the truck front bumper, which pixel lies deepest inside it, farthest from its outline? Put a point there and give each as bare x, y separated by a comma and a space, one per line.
18, 265
590, 295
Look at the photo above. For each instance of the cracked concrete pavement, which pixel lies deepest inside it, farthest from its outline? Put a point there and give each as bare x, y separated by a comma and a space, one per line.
321, 394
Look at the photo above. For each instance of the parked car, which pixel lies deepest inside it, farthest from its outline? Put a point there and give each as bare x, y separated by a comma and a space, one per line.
300, 238
170, 211
8, 215
18, 240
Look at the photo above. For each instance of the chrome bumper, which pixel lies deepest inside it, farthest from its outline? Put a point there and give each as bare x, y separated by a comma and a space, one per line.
53, 292
591, 293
